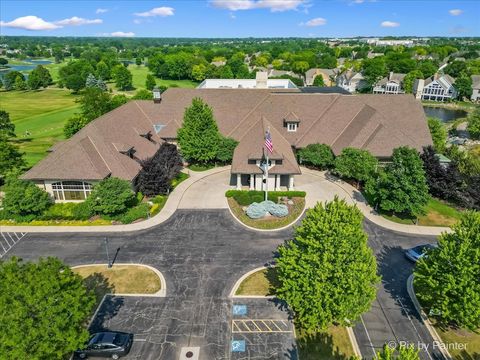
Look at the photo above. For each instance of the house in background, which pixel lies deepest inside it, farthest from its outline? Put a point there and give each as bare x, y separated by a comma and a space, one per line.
328, 76
476, 88
115, 143
351, 81
435, 88
391, 84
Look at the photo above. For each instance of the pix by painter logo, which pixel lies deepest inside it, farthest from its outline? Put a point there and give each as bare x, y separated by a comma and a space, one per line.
436, 345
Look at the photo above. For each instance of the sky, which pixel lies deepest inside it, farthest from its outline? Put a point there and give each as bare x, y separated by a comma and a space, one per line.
240, 18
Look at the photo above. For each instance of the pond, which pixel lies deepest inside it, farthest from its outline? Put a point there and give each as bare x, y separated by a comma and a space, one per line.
31, 64
446, 115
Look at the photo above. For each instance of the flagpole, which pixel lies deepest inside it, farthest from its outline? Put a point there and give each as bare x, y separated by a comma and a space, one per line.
266, 180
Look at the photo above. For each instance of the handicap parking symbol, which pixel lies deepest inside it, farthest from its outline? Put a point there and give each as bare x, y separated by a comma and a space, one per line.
239, 309
238, 345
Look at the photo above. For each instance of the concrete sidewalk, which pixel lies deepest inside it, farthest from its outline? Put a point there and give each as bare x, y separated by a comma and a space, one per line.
173, 202
356, 197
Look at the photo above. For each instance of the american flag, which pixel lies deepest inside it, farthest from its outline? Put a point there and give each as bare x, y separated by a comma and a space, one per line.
268, 141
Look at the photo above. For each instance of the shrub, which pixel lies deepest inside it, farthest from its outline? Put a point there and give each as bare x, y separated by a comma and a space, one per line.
277, 210
356, 164
318, 155
24, 198
82, 211
256, 211
226, 147
60, 211
245, 198
74, 125
111, 196
140, 211
159, 199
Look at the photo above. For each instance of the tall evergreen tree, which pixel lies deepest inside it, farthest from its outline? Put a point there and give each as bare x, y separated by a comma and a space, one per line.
199, 136
150, 82
7, 128
327, 272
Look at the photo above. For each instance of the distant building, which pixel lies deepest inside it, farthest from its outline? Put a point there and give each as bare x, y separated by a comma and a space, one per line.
435, 88
351, 81
272, 73
476, 88
328, 76
393, 84
218, 63
260, 82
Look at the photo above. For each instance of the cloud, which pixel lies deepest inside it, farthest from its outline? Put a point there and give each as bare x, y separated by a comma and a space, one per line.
358, 1
30, 22
273, 5
455, 12
121, 34
390, 24
101, 11
458, 30
160, 11
76, 21
314, 22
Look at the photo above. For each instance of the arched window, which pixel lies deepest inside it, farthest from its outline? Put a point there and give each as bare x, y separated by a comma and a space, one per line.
71, 190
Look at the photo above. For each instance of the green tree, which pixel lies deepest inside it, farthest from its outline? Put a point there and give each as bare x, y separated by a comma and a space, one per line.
402, 187
473, 126
318, 81
94, 103
103, 71
226, 147
7, 128
39, 77
3, 61
20, 83
122, 77
463, 84
327, 272
356, 164
409, 80
48, 306
199, 72
111, 196
138, 61
318, 155
374, 69
300, 67
24, 197
198, 137
9, 79
74, 75
74, 125
446, 281
401, 353
439, 134
455, 68
10, 157
143, 94
150, 82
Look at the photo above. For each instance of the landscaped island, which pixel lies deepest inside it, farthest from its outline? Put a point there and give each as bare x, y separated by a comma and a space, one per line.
281, 209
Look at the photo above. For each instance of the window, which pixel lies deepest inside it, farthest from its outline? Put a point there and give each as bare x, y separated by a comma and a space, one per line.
291, 126
71, 190
252, 162
278, 162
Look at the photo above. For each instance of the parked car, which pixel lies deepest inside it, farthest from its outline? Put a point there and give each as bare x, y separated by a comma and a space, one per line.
416, 253
110, 344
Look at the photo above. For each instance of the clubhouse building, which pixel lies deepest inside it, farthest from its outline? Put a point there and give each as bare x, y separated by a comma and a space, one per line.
113, 144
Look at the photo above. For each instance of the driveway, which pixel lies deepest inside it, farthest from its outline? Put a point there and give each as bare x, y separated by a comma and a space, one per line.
202, 254
207, 193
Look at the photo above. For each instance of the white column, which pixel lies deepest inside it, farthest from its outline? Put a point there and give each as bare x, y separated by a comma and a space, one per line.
291, 185
239, 182
252, 182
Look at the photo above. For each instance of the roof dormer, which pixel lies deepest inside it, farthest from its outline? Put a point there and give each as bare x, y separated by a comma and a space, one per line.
291, 122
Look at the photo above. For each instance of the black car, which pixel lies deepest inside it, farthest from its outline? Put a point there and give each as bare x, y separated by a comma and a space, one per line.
107, 344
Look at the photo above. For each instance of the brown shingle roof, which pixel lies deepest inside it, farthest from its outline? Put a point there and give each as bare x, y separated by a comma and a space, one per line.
378, 123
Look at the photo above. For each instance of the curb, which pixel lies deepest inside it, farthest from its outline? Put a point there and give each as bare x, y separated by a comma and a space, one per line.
240, 280
425, 320
353, 341
160, 293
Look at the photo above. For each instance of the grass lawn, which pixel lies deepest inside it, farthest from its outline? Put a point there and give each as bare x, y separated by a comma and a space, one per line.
437, 213
295, 211
471, 349
334, 343
139, 76
122, 279
41, 113
201, 167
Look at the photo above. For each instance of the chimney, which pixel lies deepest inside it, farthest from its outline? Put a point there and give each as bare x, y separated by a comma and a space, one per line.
261, 78
390, 76
157, 95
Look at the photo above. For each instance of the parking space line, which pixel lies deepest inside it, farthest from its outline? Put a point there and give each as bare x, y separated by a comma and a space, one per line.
9, 240
269, 324
368, 337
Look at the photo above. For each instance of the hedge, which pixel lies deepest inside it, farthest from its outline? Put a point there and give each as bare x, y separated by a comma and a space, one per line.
245, 198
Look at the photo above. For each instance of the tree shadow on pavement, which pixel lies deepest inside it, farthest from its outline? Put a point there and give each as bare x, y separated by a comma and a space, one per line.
395, 270
108, 310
